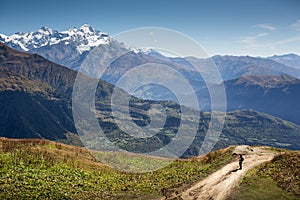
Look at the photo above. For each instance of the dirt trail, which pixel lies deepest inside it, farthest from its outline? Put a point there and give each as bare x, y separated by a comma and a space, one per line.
218, 185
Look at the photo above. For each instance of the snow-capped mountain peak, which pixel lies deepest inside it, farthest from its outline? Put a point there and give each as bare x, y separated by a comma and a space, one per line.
86, 28
46, 31
85, 37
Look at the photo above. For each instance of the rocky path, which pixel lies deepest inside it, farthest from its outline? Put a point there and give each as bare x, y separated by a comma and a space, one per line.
218, 185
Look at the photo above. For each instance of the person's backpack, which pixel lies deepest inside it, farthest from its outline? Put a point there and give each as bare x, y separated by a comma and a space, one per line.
241, 159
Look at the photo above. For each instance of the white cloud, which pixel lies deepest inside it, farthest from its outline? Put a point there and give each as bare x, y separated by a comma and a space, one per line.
261, 35
266, 26
288, 40
252, 40
269, 42
296, 25
252, 43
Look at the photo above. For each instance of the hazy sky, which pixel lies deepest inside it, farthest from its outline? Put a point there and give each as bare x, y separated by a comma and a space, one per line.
254, 27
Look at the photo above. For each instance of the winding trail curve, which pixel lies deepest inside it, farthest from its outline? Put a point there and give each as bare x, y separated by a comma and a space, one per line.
218, 185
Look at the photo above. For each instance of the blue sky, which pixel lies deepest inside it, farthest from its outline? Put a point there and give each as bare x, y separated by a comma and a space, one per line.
257, 28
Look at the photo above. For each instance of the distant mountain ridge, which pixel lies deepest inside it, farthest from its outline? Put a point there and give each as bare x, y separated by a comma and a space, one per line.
291, 60
275, 95
258, 76
35, 102
232, 67
271, 94
268, 81
69, 48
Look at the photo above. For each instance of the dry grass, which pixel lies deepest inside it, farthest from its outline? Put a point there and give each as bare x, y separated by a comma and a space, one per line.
72, 172
79, 156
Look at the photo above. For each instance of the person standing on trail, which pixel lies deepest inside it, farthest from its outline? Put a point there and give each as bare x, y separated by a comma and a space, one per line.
241, 159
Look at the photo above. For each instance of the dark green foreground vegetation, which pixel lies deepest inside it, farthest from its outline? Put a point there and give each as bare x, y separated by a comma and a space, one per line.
31, 169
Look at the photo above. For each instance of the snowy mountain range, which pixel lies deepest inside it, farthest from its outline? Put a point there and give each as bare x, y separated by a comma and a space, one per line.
85, 37
70, 48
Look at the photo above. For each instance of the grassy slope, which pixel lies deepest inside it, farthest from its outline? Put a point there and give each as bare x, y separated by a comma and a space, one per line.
279, 179
46, 169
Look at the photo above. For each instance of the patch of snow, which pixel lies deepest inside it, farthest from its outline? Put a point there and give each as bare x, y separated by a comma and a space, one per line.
22, 46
